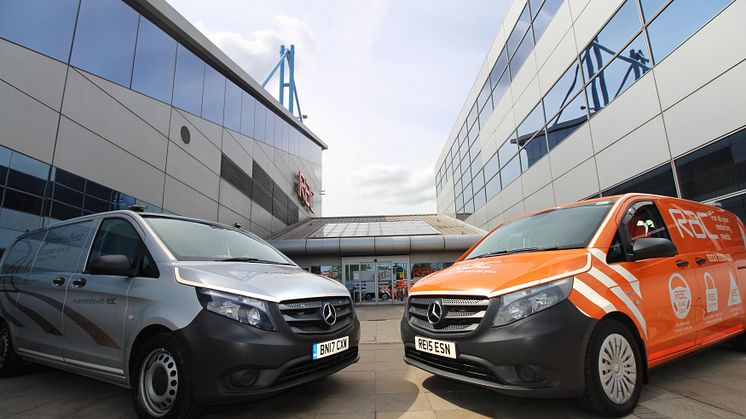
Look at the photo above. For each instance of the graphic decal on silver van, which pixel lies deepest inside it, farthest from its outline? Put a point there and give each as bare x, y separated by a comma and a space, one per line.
95, 332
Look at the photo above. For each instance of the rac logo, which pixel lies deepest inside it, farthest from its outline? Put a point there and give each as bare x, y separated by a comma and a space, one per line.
305, 194
691, 223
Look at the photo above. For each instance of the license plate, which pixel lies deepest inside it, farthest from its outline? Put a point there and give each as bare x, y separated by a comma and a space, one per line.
435, 347
324, 349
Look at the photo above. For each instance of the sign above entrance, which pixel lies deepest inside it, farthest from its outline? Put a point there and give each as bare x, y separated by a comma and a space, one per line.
305, 194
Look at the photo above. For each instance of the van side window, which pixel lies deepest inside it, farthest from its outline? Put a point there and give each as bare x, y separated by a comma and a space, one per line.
616, 251
116, 236
646, 222
22, 254
642, 222
62, 248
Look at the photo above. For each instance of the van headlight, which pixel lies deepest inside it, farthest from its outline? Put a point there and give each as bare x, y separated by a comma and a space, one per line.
523, 303
243, 309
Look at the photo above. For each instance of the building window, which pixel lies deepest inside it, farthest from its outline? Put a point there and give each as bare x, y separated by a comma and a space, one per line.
611, 39
563, 91
650, 8
188, 82
510, 172
521, 54
736, 205
531, 125
620, 74
155, 60
520, 29
566, 121
715, 170
534, 150
248, 107
678, 21
544, 16
213, 96
232, 116
105, 40
657, 181
45, 26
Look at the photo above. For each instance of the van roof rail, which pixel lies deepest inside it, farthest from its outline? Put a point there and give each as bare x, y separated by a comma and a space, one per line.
716, 204
137, 208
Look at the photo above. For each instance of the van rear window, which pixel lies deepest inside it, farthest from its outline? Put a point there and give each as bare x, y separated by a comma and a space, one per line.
555, 229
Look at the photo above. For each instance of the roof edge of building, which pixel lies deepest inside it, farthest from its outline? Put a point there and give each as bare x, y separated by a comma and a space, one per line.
188, 35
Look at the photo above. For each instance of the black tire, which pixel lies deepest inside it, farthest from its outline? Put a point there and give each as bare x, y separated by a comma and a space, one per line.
10, 362
155, 362
595, 397
740, 342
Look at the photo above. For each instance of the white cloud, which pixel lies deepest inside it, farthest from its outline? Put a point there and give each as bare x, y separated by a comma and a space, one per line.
395, 185
258, 52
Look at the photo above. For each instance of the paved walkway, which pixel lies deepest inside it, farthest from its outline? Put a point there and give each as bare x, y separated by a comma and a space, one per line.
711, 384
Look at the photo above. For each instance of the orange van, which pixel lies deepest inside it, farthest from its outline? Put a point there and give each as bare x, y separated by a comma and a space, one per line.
581, 300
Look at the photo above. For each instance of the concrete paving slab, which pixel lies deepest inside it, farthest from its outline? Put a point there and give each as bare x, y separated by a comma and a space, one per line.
711, 384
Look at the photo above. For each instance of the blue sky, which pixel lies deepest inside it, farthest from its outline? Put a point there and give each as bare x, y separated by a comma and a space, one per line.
381, 81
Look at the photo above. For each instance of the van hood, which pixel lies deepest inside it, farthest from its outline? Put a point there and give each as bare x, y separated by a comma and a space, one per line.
499, 275
267, 282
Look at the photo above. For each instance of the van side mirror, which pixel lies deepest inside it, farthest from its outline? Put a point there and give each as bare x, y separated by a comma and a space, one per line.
115, 265
653, 247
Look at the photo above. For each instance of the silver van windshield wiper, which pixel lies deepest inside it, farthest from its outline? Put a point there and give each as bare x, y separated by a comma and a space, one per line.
250, 260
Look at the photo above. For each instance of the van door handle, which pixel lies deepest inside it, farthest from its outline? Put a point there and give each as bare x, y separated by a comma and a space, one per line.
700, 260
79, 282
59, 281
682, 263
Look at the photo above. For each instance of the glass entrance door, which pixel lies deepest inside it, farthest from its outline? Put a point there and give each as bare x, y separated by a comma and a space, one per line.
377, 281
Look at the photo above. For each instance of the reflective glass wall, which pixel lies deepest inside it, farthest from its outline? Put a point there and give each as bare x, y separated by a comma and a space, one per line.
640, 34
33, 194
111, 40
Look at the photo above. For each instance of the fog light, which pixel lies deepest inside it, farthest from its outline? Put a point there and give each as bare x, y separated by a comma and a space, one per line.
244, 378
529, 374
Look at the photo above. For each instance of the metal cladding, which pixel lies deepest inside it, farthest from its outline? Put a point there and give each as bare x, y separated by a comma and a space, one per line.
352, 246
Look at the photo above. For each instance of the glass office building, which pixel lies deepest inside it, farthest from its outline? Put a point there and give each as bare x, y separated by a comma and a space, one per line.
108, 103
580, 98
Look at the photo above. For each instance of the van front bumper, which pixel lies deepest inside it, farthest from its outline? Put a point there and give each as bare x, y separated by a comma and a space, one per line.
541, 356
233, 362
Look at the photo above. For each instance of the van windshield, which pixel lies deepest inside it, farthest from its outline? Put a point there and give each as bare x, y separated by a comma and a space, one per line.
561, 228
193, 240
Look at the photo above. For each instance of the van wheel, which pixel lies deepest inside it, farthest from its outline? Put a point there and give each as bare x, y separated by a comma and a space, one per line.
613, 371
10, 363
162, 380
740, 342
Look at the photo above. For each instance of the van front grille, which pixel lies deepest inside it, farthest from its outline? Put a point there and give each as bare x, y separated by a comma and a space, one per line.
305, 317
459, 314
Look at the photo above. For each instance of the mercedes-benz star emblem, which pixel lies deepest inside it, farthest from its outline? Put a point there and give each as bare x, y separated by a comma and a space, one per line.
435, 312
329, 314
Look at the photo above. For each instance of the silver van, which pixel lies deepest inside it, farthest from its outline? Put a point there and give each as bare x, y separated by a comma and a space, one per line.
184, 312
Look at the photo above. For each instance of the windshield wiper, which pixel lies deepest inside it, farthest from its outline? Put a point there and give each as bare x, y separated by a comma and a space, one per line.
506, 252
521, 250
250, 260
